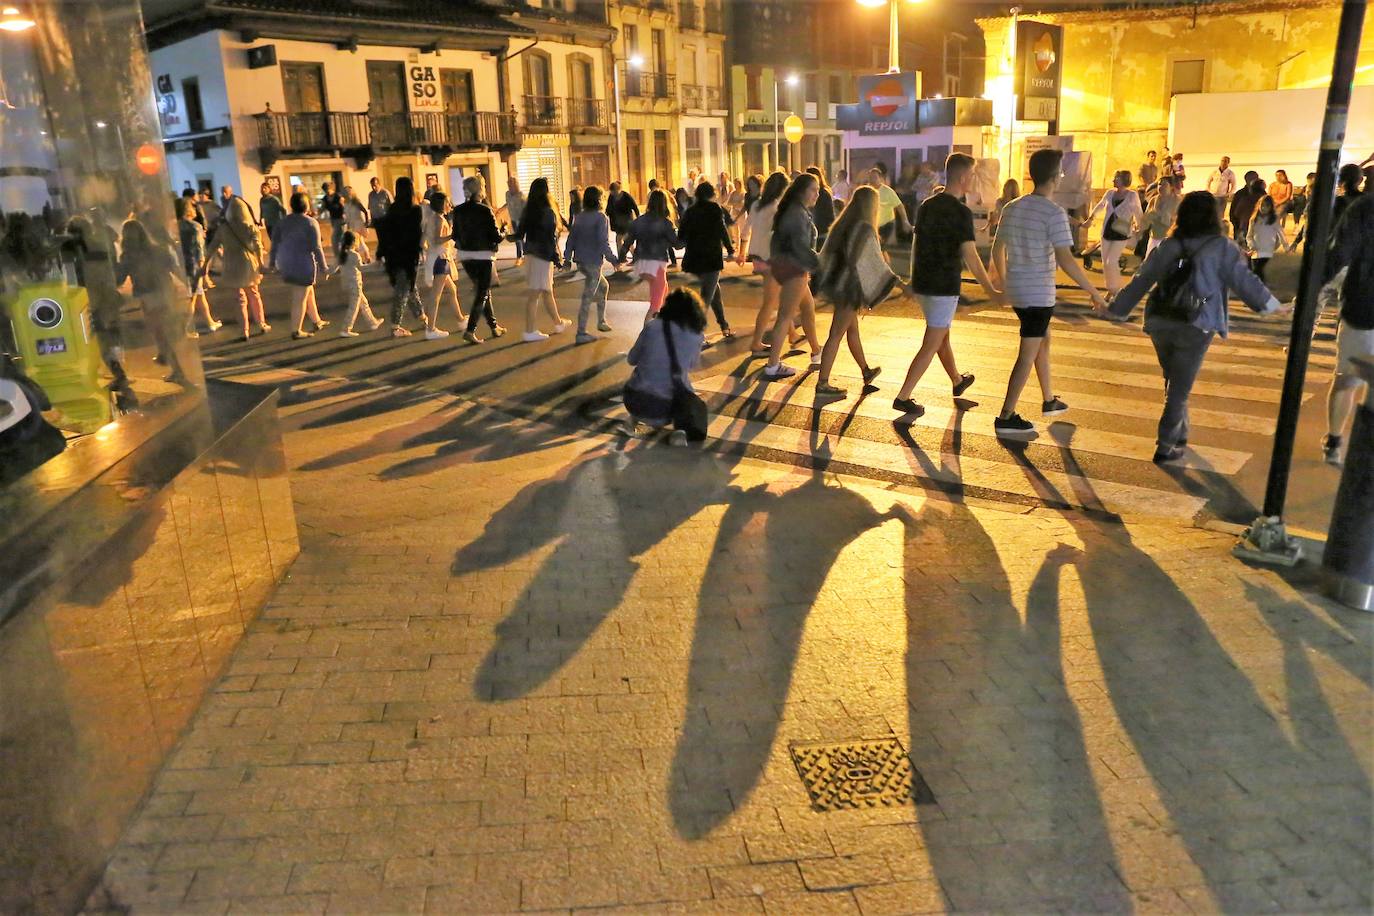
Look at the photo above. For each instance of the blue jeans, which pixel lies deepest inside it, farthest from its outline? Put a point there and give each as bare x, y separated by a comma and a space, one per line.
594, 291
1180, 349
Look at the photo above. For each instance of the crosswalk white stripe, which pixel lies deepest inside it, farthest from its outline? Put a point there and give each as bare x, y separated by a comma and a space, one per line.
976, 422
1003, 477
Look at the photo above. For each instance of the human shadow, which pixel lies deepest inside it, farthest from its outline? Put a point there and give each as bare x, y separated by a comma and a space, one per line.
600, 514
771, 557
990, 722
1191, 715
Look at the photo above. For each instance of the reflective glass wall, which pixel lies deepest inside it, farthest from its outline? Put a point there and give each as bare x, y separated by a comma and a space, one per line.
94, 304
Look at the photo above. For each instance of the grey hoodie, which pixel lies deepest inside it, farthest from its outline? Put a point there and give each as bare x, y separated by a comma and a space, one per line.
1219, 268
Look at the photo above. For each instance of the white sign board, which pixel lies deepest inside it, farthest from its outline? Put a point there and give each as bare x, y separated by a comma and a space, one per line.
424, 92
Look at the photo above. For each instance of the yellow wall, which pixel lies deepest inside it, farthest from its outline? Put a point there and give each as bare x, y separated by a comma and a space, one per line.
1117, 66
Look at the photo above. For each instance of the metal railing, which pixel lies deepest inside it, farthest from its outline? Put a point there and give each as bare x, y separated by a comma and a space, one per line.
542, 113
299, 133
482, 128
587, 114
702, 98
650, 85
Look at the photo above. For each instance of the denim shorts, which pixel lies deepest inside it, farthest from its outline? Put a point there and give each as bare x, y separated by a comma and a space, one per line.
939, 310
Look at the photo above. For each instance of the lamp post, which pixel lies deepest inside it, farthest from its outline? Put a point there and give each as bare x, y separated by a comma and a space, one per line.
791, 80
634, 62
894, 64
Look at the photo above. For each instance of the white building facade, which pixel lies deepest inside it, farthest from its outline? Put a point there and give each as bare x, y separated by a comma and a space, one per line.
270, 99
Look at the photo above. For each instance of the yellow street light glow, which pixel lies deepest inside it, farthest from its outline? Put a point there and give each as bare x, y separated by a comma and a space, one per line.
14, 21
791, 80
636, 61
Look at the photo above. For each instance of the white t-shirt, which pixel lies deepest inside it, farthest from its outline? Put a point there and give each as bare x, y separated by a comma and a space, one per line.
1030, 229
760, 228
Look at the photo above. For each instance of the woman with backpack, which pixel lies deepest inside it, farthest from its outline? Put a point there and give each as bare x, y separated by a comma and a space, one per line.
1121, 217
1189, 278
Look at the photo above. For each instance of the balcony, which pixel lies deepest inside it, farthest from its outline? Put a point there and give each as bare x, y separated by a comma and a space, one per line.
587, 116
482, 128
690, 17
702, 98
644, 85
362, 135
542, 114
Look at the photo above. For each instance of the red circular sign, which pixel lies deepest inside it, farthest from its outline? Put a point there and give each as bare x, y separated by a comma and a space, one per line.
886, 97
148, 159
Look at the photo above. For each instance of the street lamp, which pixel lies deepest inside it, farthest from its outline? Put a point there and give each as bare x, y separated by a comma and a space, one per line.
11, 20
633, 62
893, 62
791, 80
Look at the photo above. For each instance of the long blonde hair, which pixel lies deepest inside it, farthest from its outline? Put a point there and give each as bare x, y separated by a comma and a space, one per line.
861, 212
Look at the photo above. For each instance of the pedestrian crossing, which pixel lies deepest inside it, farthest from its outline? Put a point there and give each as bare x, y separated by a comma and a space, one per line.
1097, 456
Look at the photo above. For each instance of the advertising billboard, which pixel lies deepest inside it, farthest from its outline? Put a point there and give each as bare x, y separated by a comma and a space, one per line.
886, 106
1039, 70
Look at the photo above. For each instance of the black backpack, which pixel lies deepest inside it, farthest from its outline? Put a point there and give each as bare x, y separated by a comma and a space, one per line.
1174, 297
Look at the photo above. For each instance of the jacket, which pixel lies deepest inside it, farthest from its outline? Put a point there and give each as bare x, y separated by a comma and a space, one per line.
400, 237
539, 230
1266, 238
1244, 202
704, 233
296, 250
652, 237
474, 227
653, 372
1352, 247
1219, 268
621, 210
1127, 211
378, 202
272, 211
236, 241
438, 234
794, 238
192, 238
589, 240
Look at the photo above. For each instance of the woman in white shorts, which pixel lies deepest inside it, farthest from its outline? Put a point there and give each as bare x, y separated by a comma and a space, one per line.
538, 232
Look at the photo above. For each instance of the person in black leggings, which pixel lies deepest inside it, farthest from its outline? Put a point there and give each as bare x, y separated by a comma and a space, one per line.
705, 233
399, 243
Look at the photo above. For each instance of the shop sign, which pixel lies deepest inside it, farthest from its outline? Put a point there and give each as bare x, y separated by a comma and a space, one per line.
545, 140
886, 106
425, 94
1039, 70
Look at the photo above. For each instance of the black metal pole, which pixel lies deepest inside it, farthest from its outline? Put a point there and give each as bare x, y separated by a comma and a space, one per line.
1319, 211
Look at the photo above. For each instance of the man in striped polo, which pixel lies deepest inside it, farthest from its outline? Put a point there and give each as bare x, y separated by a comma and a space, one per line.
1032, 238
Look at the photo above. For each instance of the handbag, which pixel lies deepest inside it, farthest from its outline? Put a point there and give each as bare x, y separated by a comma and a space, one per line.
876, 279
688, 409
1114, 230
1173, 297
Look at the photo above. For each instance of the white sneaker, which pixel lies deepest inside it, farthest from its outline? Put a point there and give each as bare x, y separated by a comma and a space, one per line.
561, 327
678, 438
348, 332
436, 334
533, 336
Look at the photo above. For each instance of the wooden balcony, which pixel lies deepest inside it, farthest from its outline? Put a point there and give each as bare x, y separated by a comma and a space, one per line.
542, 114
362, 135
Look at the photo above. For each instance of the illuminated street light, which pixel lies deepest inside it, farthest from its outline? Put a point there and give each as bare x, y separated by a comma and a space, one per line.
791, 80
893, 62
11, 20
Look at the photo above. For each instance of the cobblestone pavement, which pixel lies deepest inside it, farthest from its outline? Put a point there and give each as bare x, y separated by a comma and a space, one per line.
520, 667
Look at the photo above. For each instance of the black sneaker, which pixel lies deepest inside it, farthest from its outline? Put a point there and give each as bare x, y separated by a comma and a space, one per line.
1054, 407
1331, 450
965, 381
905, 405
1013, 427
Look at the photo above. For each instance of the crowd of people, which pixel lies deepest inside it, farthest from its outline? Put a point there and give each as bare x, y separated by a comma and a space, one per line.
806, 240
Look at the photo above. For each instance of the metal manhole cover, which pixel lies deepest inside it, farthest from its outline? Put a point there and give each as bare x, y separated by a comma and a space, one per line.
859, 774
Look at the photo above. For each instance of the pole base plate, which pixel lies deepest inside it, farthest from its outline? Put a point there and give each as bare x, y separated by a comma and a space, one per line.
1267, 541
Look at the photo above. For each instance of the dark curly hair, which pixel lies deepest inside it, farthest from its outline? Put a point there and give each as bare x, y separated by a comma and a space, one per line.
1197, 216
684, 307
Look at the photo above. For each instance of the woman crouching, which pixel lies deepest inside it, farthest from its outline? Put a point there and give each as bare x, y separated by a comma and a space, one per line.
659, 369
